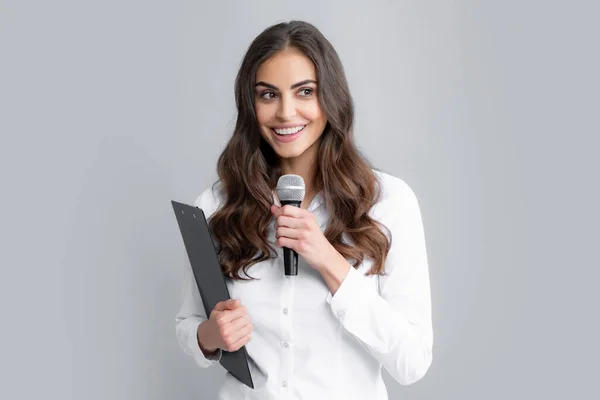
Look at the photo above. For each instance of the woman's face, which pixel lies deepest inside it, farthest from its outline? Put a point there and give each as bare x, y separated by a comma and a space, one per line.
286, 105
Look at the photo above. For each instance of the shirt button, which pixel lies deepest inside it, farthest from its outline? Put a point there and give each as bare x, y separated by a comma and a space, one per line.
286, 344
285, 311
284, 384
340, 313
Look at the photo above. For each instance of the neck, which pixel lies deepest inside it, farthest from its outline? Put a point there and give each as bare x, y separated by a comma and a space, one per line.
304, 166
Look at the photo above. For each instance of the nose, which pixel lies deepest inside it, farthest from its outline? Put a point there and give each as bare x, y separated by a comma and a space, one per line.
287, 109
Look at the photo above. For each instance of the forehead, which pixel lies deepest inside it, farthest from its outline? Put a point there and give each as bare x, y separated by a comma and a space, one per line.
286, 68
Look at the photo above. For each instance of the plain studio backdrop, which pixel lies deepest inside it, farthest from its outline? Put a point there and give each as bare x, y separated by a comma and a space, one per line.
110, 109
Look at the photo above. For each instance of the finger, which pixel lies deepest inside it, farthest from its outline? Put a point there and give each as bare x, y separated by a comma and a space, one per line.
221, 305
228, 316
230, 304
241, 324
292, 211
234, 333
240, 342
247, 330
239, 331
289, 233
287, 242
290, 222
231, 337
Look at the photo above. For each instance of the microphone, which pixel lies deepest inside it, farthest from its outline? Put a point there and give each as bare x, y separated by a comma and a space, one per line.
290, 190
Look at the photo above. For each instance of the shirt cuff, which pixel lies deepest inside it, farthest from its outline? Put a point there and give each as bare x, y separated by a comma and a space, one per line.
197, 353
346, 296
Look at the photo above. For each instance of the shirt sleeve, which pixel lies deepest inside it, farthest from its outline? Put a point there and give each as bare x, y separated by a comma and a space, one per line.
394, 323
191, 314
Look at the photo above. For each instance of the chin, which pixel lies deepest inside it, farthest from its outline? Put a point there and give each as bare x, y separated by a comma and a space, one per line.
290, 154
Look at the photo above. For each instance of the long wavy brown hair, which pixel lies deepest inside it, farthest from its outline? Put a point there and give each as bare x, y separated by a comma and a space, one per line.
248, 167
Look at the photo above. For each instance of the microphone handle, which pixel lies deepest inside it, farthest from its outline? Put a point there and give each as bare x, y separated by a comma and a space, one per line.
290, 257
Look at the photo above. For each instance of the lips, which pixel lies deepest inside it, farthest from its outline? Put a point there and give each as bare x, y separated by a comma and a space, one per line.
289, 137
289, 131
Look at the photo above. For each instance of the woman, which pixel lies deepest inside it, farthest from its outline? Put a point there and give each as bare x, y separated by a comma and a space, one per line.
361, 299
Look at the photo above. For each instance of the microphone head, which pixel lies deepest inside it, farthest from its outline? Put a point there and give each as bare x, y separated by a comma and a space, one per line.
291, 188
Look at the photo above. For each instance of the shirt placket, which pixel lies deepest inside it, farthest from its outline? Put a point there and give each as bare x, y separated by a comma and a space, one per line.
287, 355
286, 315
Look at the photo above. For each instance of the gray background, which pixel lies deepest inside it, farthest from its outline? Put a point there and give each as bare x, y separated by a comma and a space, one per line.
109, 109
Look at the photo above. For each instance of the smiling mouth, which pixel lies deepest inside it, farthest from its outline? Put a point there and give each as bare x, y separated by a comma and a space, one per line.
288, 131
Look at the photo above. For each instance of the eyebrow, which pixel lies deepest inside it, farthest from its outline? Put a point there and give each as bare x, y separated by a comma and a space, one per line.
295, 85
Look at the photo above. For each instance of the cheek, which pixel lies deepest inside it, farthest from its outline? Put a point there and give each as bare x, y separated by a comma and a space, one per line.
315, 114
263, 113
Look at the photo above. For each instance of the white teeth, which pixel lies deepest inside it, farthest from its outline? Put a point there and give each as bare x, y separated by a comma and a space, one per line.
289, 131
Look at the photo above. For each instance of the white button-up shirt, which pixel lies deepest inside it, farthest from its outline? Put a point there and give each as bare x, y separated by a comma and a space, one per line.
308, 344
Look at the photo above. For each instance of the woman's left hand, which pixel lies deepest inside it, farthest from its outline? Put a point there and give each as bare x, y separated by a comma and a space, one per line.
297, 229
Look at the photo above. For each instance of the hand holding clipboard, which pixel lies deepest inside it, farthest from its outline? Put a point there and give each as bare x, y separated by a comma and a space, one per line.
229, 329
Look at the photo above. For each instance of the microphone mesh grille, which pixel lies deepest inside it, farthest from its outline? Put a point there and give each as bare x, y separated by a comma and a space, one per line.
290, 188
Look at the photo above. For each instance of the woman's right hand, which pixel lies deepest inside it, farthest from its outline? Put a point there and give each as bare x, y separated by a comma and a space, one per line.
228, 327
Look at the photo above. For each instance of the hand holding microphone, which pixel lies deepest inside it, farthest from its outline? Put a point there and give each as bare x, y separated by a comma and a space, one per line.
291, 191
297, 229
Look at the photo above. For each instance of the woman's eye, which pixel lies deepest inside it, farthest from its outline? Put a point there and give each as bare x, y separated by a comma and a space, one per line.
268, 95
306, 92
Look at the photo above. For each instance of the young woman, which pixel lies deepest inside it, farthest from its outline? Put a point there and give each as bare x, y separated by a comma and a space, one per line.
361, 299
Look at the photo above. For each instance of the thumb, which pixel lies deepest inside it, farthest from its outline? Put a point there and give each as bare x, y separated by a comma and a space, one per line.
230, 304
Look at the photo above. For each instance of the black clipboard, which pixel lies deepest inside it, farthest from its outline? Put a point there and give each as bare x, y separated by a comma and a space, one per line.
201, 251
